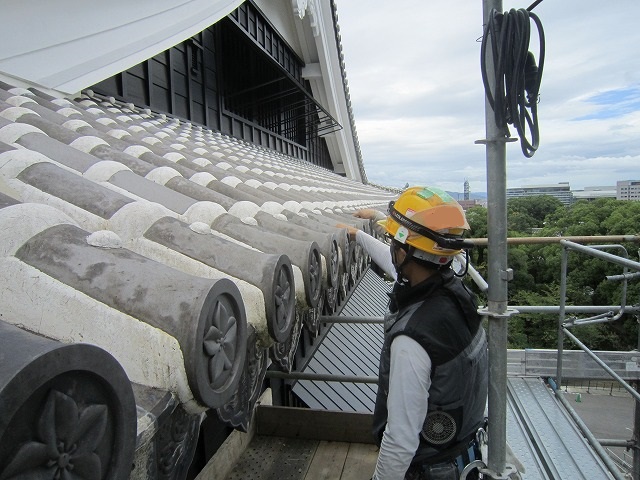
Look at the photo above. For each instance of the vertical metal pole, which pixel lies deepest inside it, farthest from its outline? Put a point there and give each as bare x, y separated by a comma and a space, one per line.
638, 322
564, 260
635, 471
497, 271
635, 468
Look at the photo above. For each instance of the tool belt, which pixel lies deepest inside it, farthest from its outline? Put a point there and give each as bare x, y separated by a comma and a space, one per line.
448, 469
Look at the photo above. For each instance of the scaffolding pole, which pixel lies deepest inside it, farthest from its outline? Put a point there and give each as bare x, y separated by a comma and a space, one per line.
635, 467
498, 273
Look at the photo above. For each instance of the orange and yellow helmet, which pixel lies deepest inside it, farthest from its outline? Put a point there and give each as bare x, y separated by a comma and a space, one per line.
430, 220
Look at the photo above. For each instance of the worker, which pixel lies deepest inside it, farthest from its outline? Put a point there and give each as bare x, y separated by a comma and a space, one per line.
432, 385
377, 250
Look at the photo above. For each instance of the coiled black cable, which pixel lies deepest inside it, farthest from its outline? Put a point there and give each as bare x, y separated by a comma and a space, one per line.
514, 94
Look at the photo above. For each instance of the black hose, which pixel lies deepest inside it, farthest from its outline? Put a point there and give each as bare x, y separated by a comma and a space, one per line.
514, 94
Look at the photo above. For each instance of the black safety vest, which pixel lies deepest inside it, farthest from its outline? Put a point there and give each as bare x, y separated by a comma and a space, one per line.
441, 315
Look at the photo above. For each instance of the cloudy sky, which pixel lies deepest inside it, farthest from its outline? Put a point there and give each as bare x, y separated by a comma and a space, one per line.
414, 77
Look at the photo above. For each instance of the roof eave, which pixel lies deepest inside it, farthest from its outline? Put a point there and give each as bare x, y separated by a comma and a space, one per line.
321, 50
67, 58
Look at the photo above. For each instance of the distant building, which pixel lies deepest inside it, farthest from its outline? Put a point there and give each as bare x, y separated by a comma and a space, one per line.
628, 190
593, 193
467, 204
561, 191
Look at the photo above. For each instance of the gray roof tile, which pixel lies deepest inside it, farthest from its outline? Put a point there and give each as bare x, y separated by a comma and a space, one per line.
120, 185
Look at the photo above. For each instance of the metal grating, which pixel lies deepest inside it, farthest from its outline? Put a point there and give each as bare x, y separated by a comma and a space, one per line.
274, 458
369, 298
349, 349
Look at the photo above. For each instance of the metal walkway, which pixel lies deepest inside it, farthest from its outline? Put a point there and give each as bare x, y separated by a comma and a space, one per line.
544, 437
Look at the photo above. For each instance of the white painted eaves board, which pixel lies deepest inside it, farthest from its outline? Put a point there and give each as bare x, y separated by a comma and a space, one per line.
69, 45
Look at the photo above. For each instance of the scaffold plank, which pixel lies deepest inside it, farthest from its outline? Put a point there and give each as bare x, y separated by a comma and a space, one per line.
562, 452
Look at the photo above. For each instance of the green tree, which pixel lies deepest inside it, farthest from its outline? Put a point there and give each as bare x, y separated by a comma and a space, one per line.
534, 330
525, 213
624, 219
605, 216
518, 261
537, 268
477, 219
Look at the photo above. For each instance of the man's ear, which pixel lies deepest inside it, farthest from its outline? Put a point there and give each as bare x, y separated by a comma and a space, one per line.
401, 254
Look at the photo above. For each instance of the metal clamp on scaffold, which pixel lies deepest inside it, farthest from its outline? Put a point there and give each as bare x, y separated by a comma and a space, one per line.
485, 312
486, 141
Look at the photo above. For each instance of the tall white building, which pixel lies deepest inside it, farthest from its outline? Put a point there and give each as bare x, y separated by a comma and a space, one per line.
628, 190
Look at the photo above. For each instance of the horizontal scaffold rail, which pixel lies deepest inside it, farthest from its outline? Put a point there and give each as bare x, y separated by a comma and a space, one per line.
548, 240
549, 309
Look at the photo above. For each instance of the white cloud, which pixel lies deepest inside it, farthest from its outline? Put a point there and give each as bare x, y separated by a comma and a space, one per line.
415, 84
